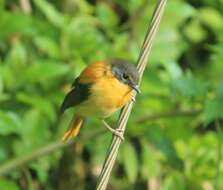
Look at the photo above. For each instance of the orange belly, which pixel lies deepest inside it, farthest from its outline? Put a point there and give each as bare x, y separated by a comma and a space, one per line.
107, 96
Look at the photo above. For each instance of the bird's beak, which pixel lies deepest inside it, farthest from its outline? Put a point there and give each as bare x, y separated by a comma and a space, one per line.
136, 88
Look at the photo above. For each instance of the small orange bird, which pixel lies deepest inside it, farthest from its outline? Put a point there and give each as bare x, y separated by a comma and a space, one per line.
101, 89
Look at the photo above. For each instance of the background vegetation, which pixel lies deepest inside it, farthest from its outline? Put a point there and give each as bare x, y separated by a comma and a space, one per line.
174, 138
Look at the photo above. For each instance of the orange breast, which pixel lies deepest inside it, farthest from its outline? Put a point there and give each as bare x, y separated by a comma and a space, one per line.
107, 96
111, 93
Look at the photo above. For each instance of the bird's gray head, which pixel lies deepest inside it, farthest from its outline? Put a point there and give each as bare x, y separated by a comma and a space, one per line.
125, 73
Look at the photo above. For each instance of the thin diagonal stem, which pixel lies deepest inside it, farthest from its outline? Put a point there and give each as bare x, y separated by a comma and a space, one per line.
142, 62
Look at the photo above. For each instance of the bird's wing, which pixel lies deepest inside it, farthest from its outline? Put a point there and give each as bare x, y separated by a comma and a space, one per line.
78, 94
81, 86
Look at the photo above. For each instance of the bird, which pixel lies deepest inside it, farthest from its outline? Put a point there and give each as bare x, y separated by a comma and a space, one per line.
101, 89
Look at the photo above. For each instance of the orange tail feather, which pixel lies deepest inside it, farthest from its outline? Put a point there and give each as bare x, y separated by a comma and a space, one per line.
74, 128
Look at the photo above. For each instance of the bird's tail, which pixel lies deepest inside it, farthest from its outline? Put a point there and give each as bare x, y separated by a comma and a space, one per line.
74, 128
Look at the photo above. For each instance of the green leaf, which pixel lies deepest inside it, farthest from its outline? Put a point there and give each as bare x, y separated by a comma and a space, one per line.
98, 148
189, 86
194, 31
220, 89
22, 24
130, 161
1, 81
169, 44
178, 11
40, 103
106, 15
150, 166
211, 17
48, 46
17, 56
85, 33
9, 123
33, 133
54, 16
6, 184
159, 139
175, 181
3, 154
174, 70
213, 109
43, 70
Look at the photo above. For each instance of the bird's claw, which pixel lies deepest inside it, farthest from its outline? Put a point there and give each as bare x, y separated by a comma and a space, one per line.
116, 132
133, 99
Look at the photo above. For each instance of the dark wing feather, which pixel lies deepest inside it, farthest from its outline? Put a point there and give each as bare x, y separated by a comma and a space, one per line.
78, 94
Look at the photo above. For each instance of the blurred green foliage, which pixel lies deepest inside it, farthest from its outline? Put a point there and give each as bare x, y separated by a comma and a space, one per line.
173, 138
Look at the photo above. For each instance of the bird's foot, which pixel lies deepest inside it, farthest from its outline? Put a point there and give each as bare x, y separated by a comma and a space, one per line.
133, 99
116, 132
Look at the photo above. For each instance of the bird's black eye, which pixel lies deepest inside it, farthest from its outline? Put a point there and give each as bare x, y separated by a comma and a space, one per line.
125, 76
